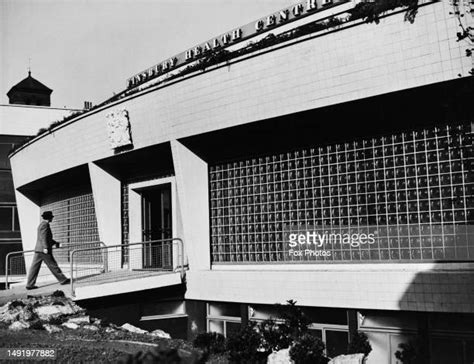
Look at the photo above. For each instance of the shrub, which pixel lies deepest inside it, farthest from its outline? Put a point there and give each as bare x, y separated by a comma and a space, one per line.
246, 346
359, 344
15, 304
56, 320
308, 350
295, 322
37, 325
275, 336
409, 353
104, 322
210, 343
58, 293
165, 355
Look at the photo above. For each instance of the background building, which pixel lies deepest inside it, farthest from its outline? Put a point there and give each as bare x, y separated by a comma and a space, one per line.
351, 128
28, 111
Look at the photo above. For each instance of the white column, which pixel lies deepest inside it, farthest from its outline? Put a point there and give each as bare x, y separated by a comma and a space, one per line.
193, 200
29, 218
135, 233
106, 190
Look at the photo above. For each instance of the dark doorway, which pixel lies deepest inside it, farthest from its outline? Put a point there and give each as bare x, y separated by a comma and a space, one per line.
156, 226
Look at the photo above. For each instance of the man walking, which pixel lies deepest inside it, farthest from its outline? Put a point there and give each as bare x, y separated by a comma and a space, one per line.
44, 252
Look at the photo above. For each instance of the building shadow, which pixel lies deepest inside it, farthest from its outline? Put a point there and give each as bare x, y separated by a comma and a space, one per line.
441, 301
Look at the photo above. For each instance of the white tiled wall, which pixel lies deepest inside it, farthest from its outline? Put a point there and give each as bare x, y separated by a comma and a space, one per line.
360, 61
378, 286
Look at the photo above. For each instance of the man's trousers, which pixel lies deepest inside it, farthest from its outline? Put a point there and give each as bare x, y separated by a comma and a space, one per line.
36, 265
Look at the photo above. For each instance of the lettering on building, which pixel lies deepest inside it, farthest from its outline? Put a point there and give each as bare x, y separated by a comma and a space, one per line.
277, 19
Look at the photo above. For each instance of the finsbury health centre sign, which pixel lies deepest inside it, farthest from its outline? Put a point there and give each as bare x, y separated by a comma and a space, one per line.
234, 36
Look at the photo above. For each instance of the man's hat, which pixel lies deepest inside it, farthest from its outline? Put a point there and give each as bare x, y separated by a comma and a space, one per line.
47, 215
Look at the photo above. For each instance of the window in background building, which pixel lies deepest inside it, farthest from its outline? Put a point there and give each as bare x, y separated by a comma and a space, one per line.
16, 221
336, 342
334, 337
162, 310
223, 318
7, 191
7, 218
329, 325
452, 350
5, 148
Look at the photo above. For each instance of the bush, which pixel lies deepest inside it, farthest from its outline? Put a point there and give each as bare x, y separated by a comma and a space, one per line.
165, 355
104, 322
210, 343
15, 304
56, 320
359, 344
256, 341
409, 353
37, 325
295, 322
246, 346
275, 336
308, 350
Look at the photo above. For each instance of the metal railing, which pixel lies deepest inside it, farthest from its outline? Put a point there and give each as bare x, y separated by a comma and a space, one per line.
158, 255
15, 262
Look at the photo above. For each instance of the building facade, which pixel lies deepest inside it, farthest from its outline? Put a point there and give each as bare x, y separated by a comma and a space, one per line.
332, 168
28, 111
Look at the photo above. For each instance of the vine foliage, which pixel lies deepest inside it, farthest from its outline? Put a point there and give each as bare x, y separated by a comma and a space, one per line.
463, 10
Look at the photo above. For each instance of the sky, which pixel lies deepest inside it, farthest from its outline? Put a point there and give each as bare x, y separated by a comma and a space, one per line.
86, 49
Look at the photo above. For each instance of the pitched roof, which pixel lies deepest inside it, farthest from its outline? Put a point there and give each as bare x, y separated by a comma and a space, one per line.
30, 84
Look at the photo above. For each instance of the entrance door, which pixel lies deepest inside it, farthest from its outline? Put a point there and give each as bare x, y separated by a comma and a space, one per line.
157, 225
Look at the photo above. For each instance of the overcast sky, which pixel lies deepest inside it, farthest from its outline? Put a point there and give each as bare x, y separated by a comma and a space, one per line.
86, 49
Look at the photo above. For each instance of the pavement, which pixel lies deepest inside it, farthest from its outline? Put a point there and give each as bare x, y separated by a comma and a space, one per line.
19, 291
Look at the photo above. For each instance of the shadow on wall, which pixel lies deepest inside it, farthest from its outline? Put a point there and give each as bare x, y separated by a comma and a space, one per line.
442, 300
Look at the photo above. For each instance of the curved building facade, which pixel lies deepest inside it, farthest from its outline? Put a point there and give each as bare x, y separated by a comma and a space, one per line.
334, 169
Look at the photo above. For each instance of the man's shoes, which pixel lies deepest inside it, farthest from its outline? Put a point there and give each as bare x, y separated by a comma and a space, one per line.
67, 281
32, 287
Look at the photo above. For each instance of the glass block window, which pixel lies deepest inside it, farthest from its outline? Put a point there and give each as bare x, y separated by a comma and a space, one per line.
414, 188
125, 221
8, 218
74, 215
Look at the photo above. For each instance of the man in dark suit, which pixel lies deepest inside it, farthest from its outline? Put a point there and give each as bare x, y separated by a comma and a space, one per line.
44, 252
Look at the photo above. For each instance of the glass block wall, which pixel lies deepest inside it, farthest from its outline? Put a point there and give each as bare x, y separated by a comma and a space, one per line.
74, 215
414, 189
125, 221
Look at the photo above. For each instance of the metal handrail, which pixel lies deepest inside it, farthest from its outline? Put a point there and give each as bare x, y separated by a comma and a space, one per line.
179, 240
62, 245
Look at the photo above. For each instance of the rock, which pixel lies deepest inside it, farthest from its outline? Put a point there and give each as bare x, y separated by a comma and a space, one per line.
52, 328
22, 313
9, 316
348, 359
4, 309
161, 334
18, 325
110, 330
80, 320
71, 325
91, 327
280, 357
134, 329
27, 314
47, 312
